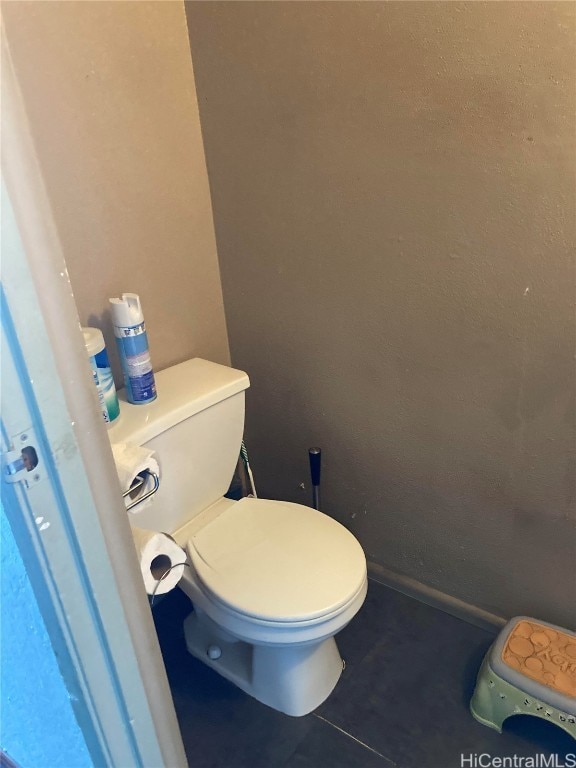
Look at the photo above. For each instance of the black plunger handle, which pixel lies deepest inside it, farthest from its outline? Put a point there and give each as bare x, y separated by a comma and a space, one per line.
315, 456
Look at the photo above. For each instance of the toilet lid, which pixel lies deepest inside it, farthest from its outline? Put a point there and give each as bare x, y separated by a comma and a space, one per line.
278, 561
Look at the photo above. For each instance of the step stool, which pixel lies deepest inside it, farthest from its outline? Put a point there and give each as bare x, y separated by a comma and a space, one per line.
530, 669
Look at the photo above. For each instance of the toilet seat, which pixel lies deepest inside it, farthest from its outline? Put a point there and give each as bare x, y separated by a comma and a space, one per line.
279, 562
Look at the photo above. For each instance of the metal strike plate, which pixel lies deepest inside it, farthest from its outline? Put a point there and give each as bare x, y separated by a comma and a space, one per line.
23, 463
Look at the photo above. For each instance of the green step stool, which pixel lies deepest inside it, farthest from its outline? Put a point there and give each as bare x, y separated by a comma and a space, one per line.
530, 669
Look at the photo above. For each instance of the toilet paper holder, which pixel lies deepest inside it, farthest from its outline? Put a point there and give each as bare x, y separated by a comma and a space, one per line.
139, 481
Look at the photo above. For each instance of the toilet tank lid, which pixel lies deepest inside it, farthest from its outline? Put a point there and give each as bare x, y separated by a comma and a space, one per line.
183, 390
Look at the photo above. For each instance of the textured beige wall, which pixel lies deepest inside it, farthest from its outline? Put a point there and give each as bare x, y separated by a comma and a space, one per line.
110, 94
393, 192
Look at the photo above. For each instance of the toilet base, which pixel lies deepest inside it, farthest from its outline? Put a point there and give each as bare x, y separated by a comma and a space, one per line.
293, 679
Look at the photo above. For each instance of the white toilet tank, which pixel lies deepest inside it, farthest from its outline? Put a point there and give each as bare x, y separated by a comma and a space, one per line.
195, 426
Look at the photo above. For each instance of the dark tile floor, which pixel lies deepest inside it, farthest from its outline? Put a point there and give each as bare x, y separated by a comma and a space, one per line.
401, 701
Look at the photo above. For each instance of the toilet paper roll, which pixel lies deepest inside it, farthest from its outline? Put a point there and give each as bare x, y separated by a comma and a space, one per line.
158, 553
130, 461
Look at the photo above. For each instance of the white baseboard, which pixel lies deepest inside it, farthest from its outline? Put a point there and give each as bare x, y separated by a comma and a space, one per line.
435, 598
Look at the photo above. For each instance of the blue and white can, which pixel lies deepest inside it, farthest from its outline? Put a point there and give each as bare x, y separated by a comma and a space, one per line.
101, 373
132, 341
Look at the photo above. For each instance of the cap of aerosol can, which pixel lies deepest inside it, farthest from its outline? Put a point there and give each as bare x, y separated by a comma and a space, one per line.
127, 311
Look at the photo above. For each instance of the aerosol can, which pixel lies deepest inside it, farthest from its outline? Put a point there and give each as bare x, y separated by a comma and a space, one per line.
132, 341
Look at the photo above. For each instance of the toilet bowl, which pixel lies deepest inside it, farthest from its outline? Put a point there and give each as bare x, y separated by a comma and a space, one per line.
270, 582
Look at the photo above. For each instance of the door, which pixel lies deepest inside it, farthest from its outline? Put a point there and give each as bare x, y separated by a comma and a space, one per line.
59, 489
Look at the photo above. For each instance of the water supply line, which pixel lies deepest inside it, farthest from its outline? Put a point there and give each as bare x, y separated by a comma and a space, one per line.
244, 455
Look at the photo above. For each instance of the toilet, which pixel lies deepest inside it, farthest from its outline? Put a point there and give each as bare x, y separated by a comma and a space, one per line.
271, 582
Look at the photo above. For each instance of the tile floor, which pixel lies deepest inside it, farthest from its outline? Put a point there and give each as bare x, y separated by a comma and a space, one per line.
401, 701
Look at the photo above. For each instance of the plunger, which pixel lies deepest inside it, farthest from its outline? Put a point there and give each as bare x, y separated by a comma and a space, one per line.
315, 456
